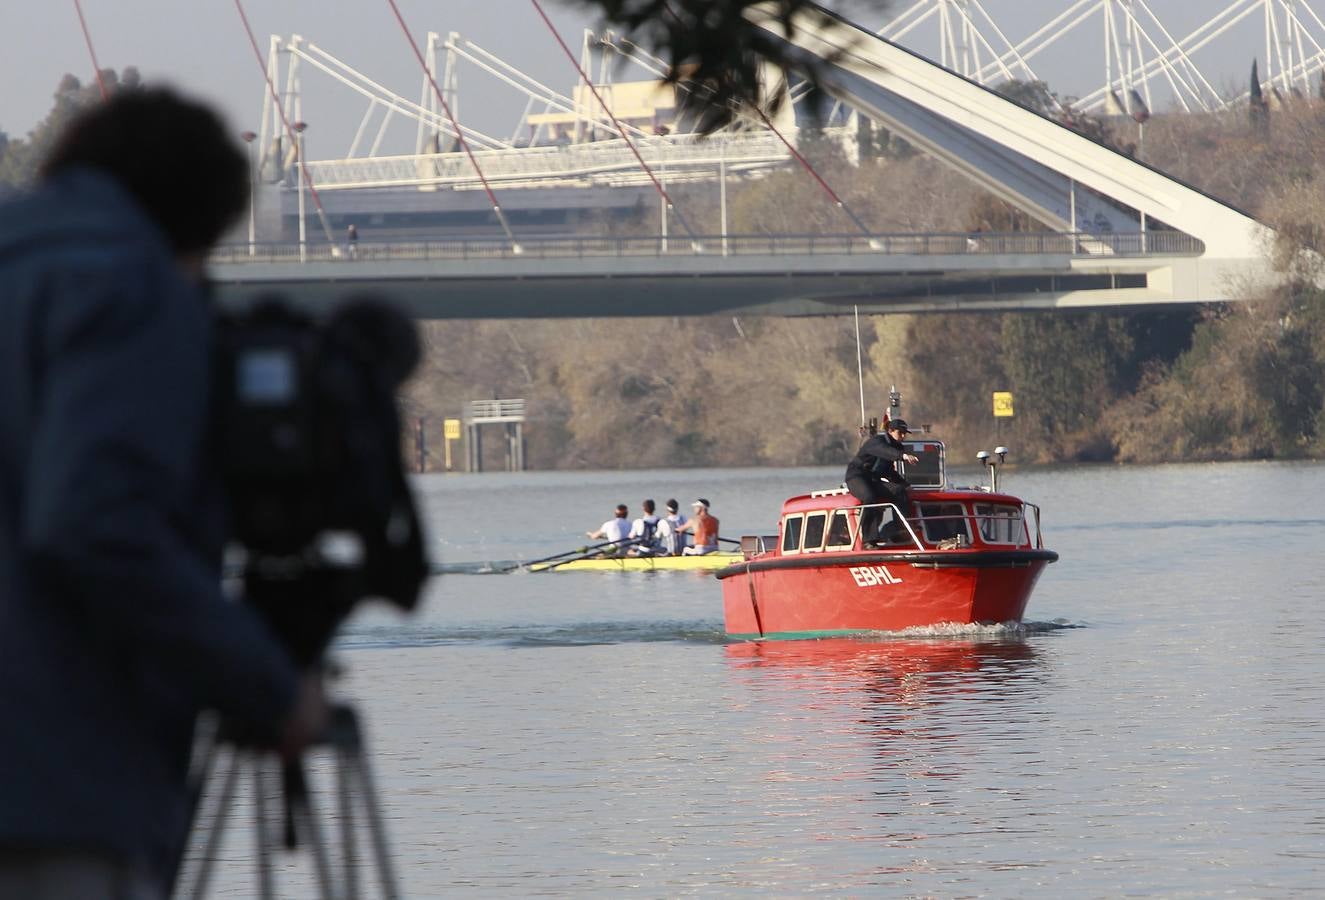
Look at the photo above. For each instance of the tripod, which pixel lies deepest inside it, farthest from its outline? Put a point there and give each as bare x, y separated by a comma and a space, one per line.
298, 818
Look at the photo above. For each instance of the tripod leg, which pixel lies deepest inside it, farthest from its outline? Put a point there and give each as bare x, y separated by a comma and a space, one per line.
300, 809
345, 793
213, 845
262, 821
377, 828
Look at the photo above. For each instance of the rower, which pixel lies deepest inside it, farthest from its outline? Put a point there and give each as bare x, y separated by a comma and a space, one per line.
615, 529
705, 529
644, 532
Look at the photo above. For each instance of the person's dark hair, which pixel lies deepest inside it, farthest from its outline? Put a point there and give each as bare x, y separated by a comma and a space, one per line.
175, 156
648, 507
621, 511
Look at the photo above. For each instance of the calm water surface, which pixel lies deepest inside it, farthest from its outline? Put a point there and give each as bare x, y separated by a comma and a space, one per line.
1153, 729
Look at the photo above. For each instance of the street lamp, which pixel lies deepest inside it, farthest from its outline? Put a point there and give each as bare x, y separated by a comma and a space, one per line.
299, 165
249, 137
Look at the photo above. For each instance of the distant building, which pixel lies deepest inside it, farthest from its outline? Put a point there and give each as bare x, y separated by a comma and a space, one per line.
649, 106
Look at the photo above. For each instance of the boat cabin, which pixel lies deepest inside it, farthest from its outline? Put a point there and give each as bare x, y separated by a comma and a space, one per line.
945, 518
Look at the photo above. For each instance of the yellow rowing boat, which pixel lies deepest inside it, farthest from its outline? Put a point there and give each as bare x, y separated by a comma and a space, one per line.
642, 563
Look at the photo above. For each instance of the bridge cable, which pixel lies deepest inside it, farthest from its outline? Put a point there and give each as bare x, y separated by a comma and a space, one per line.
289, 131
795, 153
460, 135
620, 130
838, 201
91, 51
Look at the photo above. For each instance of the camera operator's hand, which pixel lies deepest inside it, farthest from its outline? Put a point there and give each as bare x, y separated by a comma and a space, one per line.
308, 718
911, 459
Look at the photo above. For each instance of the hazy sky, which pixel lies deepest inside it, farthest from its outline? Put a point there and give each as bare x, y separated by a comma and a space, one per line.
200, 46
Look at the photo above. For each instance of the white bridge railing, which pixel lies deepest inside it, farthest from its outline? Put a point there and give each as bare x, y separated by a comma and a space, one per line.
978, 244
608, 162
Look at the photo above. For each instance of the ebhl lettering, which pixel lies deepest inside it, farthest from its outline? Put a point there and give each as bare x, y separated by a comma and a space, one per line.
869, 576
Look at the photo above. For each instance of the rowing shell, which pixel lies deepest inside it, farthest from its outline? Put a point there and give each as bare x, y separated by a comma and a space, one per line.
704, 563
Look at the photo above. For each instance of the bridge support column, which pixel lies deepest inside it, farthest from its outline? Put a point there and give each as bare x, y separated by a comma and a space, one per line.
515, 446
473, 447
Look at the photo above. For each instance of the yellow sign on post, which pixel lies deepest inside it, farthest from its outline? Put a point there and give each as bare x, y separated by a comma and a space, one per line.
1002, 404
451, 432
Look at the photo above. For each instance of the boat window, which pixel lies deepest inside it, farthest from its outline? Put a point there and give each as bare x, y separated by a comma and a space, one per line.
839, 531
928, 470
941, 521
814, 531
999, 523
791, 534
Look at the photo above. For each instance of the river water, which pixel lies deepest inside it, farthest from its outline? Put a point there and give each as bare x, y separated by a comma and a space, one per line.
1152, 729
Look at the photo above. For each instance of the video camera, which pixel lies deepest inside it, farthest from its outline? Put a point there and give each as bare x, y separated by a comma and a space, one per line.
309, 439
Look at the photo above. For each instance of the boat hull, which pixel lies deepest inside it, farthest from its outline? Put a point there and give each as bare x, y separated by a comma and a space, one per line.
809, 597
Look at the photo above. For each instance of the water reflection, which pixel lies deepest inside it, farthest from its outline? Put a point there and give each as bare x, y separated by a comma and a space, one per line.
928, 737
872, 661
902, 687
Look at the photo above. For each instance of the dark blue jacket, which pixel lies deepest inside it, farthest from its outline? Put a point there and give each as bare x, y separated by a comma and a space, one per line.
876, 460
113, 627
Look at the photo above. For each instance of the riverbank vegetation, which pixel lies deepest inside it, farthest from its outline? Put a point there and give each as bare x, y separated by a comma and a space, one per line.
1236, 381
1242, 381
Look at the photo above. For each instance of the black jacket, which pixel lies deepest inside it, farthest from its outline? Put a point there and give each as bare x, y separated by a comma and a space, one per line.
877, 460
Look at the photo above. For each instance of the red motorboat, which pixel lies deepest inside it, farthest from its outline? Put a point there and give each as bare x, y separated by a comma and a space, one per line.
969, 555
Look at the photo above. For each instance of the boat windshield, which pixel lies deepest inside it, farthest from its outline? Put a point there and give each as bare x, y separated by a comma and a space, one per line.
927, 472
840, 535
942, 521
999, 523
814, 531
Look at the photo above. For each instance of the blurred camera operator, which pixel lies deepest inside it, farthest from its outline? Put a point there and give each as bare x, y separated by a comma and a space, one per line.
114, 631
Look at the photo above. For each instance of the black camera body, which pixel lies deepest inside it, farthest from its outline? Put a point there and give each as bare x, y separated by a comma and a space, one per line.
309, 441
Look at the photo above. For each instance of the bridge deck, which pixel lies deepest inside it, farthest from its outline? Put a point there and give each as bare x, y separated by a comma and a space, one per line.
763, 274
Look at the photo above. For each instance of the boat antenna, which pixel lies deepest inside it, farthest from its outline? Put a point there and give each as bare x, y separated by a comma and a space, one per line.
860, 368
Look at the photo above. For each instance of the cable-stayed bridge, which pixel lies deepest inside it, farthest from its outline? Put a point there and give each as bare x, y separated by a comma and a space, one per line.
1127, 234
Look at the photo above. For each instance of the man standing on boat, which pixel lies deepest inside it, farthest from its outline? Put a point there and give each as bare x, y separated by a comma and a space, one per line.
616, 529
872, 477
705, 529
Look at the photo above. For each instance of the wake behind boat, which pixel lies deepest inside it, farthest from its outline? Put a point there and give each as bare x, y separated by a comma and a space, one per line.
967, 556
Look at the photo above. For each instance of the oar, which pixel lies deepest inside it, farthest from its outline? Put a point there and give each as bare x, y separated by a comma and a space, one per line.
482, 567
577, 553
729, 541
589, 552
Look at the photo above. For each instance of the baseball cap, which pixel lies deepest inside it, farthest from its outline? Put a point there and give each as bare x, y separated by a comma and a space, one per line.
672, 505
899, 425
